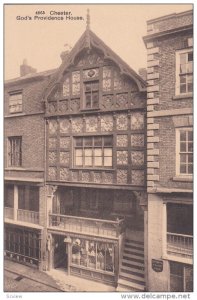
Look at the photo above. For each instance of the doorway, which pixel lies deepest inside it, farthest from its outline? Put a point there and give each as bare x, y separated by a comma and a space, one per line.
60, 252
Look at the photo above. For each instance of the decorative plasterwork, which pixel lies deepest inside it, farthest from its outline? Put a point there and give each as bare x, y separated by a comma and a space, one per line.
137, 140
77, 124
52, 157
137, 121
122, 176
122, 157
137, 177
64, 142
122, 140
64, 125
52, 173
91, 124
64, 174
106, 123
91, 59
52, 143
64, 158
53, 126
137, 158
121, 122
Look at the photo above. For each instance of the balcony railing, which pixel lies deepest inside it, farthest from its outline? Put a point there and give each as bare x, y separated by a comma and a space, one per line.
28, 216
9, 212
180, 244
86, 225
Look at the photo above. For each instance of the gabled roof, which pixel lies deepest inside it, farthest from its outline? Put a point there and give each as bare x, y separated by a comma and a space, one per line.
90, 40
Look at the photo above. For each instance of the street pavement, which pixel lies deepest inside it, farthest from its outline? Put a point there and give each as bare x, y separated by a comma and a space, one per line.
15, 283
21, 278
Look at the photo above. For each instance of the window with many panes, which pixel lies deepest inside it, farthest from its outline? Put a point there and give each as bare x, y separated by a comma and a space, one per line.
184, 151
184, 72
15, 102
91, 94
93, 151
22, 245
15, 151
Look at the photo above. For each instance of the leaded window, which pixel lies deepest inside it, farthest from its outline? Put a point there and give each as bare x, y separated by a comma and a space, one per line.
91, 94
15, 151
93, 151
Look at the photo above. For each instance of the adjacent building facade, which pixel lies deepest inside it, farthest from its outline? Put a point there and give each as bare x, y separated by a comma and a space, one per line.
169, 43
98, 172
24, 167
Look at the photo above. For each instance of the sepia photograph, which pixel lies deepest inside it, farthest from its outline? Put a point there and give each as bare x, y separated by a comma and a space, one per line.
98, 149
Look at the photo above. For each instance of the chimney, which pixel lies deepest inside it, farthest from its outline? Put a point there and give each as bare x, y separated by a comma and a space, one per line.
143, 73
25, 69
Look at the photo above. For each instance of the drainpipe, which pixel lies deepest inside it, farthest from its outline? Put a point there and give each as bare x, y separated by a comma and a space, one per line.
146, 247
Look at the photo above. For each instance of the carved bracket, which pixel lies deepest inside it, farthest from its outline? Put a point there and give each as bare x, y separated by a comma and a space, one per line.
51, 190
142, 198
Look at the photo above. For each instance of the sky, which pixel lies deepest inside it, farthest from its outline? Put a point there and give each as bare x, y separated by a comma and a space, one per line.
120, 26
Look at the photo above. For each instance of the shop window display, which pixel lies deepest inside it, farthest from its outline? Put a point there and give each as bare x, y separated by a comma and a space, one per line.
93, 255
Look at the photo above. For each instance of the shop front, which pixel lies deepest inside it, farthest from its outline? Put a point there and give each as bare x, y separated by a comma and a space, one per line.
85, 256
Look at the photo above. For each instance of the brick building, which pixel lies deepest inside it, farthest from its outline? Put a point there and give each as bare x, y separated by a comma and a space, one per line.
24, 167
169, 42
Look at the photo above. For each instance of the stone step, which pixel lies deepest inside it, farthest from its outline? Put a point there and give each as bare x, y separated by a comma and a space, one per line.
122, 288
130, 241
134, 254
134, 248
133, 279
129, 284
135, 268
131, 273
127, 260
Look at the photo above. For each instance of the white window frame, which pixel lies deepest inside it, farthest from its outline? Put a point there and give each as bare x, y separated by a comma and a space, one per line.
177, 90
178, 151
93, 165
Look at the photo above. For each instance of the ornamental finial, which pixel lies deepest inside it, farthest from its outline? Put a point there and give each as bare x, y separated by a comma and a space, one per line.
88, 19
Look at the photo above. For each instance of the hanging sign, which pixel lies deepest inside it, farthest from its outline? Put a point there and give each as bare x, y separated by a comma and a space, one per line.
157, 265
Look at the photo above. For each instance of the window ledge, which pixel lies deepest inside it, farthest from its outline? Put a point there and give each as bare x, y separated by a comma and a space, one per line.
23, 169
183, 178
15, 168
91, 169
12, 115
183, 96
